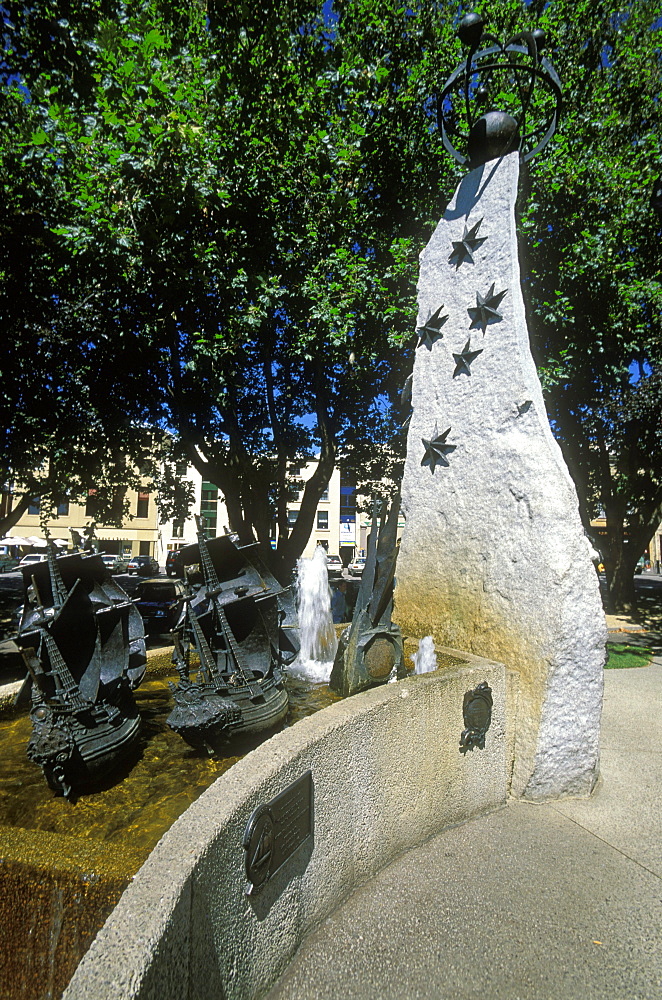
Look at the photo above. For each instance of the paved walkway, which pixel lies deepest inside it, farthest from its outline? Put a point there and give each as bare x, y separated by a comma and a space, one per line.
534, 902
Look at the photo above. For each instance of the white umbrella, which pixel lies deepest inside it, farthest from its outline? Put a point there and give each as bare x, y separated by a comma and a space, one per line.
17, 540
36, 541
60, 542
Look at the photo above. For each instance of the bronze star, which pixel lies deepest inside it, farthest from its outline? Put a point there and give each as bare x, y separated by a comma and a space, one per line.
431, 330
464, 249
485, 310
436, 449
463, 360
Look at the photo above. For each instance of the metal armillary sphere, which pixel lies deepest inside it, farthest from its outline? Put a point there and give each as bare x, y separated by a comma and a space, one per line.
511, 73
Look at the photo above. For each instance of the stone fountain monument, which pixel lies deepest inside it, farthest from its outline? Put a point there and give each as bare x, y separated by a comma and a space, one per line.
493, 561
493, 558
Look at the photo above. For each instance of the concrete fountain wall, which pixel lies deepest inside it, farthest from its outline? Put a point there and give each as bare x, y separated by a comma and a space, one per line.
387, 775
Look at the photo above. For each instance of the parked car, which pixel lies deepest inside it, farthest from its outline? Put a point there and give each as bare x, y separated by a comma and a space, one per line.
114, 563
334, 567
174, 565
160, 602
31, 559
143, 566
356, 566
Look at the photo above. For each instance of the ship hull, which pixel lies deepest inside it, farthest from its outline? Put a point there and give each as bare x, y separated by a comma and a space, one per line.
257, 716
246, 715
234, 622
78, 752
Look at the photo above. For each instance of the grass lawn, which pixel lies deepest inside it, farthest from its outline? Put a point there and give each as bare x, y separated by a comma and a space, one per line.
622, 655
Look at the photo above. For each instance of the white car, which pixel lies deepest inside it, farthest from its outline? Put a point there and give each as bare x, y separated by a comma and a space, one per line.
334, 566
113, 563
31, 559
356, 566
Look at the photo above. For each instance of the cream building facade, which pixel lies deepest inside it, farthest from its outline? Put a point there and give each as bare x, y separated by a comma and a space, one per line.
337, 526
141, 532
208, 501
326, 526
655, 550
138, 534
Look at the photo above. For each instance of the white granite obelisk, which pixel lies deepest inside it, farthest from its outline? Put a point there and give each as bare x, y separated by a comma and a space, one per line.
493, 558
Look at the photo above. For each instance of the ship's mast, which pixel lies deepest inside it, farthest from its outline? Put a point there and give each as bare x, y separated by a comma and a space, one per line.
207, 661
66, 687
213, 590
67, 690
57, 583
208, 570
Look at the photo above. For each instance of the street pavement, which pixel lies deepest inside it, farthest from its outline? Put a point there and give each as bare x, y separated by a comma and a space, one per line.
533, 902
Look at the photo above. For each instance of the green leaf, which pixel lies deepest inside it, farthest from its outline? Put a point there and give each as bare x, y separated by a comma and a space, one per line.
39, 137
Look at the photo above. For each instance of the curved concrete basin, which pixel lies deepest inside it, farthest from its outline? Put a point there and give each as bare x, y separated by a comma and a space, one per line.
387, 774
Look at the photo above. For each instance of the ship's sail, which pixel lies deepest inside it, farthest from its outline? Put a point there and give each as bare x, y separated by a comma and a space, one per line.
233, 623
84, 652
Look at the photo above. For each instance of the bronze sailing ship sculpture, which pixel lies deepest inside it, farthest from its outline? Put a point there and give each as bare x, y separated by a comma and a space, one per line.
83, 644
234, 623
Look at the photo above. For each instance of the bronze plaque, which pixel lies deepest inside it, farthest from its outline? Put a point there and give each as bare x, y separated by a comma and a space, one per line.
477, 711
277, 829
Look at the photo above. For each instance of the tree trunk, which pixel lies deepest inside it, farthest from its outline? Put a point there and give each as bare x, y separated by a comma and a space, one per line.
627, 538
621, 556
290, 548
14, 516
219, 474
621, 595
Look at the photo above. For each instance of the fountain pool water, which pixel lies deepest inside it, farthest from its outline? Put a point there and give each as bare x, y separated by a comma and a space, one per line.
316, 631
65, 864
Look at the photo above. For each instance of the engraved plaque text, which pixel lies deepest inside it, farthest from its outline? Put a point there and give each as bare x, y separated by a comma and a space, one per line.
277, 829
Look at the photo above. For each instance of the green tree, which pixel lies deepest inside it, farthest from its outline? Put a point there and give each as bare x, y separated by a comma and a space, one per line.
593, 284
237, 186
237, 199
70, 419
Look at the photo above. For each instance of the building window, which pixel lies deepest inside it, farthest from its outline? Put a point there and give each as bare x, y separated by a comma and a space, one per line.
325, 496
209, 493
177, 529
142, 508
292, 516
145, 549
208, 506
34, 506
322, 520
63, 508
347, 500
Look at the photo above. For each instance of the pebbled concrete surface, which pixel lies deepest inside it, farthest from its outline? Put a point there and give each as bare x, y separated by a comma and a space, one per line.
626, 812
533, 902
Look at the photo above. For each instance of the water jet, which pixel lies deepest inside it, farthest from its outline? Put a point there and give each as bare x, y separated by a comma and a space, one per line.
317, 635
